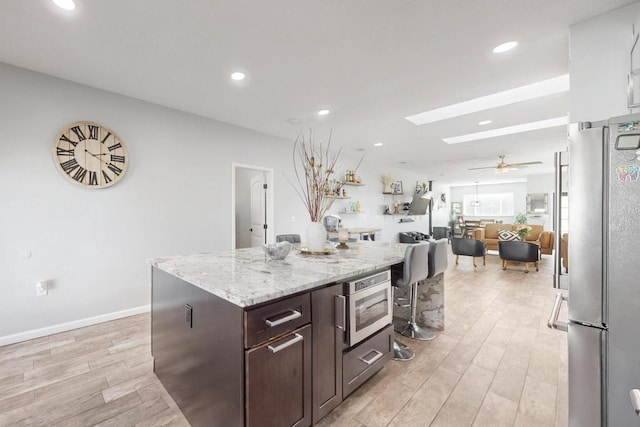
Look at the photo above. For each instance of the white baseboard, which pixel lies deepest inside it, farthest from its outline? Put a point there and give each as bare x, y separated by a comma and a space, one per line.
63, 327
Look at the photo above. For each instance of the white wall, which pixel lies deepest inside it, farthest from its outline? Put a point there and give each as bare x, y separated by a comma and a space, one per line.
599, 63
543, 183
372, 203
175, 199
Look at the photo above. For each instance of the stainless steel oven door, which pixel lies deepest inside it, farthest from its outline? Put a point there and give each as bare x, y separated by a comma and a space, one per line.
369, 311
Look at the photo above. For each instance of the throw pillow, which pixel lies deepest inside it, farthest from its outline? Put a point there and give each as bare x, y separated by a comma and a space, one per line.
507, 235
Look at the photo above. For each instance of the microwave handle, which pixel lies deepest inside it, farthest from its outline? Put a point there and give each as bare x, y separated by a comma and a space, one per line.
340, 303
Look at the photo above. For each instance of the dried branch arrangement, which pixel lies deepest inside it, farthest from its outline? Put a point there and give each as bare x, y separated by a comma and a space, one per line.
314, 167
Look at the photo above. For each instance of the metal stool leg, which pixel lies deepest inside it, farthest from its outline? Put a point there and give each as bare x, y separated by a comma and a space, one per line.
412, 330
401, 352
399, 324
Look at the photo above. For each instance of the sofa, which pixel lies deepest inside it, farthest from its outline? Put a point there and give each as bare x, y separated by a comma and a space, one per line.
412, 237
489, 235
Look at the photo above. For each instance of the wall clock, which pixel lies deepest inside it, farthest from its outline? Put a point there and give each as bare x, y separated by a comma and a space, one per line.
90, 154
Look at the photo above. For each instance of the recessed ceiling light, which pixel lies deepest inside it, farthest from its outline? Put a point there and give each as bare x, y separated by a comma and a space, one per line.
65, 4
511, 96
484, 122
378, 144
525, 127
504, 47
293, 121
323, 112
238, 76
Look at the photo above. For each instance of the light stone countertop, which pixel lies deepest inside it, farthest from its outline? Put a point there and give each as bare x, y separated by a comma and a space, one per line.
246, 277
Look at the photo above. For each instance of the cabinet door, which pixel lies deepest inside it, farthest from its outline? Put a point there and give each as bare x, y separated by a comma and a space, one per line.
327, 350
278, 381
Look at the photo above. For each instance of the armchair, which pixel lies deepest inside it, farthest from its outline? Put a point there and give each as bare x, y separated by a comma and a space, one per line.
515, 250
469, 247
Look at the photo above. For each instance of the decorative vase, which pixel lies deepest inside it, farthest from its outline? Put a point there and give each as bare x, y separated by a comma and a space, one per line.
316, 237
387, 188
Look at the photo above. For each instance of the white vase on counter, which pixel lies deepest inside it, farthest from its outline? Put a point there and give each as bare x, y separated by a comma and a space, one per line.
316, 237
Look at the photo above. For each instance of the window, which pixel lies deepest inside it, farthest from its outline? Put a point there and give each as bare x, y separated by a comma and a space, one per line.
497, 204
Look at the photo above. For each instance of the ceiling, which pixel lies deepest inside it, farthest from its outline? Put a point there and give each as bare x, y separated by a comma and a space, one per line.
371, 62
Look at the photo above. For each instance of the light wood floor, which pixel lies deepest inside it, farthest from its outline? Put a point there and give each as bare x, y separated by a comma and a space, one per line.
496, 364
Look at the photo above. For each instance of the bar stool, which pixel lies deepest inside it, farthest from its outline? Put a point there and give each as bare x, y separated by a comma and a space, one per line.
416, 268
291, 238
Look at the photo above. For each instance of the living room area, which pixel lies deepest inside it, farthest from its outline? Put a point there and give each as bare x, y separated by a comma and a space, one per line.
522, 210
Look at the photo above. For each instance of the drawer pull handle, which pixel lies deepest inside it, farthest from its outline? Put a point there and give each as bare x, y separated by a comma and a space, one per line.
340, 303
374, 359
294, 315
296, 338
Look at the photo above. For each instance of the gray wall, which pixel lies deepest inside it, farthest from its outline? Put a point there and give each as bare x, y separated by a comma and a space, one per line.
93, 244
175, 199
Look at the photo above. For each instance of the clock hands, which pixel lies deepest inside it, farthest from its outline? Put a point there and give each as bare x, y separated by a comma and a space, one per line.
96, 156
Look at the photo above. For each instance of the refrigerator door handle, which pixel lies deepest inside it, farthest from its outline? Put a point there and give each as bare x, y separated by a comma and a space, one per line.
634, 395
553, 322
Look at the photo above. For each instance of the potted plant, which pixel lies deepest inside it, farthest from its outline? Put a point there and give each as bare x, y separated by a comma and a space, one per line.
522, 230
520, 219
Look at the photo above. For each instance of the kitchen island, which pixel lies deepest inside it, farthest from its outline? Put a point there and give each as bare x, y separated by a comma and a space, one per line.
238, 339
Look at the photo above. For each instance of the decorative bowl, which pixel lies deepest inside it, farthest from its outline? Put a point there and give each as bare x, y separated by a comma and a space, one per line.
277, 251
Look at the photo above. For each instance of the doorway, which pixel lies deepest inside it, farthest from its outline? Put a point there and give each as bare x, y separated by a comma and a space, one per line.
251, 206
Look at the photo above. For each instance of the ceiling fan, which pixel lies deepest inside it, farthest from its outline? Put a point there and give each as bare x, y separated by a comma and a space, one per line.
504, 167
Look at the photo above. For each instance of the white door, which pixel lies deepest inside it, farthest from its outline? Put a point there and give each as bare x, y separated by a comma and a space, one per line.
258, 211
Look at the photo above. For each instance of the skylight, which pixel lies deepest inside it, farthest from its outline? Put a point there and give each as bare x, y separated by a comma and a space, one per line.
505, 47
65, 4
511, 96
525, 127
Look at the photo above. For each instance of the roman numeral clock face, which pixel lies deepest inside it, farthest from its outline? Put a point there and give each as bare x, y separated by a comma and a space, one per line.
90, 154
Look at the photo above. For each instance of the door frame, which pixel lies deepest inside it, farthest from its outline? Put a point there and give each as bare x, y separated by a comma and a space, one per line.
269, 195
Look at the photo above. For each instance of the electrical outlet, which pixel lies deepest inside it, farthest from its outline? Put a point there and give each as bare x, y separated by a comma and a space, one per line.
42, 289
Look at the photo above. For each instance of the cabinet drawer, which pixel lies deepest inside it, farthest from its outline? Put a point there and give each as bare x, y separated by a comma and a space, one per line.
361, 362
263, 323
278, 381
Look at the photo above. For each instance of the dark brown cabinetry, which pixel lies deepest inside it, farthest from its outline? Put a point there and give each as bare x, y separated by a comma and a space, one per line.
327, 351
277, 366
278, 381
198, 358
269, 321
367, 358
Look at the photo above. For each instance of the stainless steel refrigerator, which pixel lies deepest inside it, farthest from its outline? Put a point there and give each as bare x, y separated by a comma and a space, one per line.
604, 273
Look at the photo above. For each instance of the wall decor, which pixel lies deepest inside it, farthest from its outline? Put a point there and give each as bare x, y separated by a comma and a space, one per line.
90, 154
387, 181
396, 187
